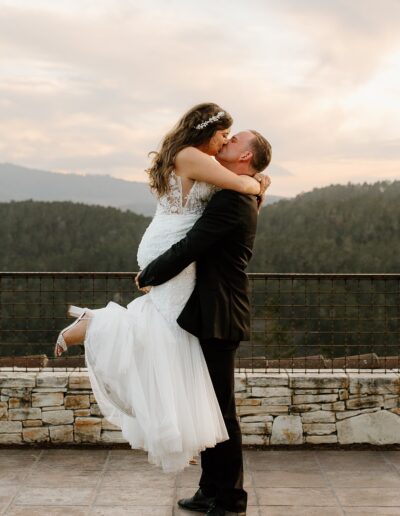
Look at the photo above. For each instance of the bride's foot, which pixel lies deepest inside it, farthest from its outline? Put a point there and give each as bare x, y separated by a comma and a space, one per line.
75, 332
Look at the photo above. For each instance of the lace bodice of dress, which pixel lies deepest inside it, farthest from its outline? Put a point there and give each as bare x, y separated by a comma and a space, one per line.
174, 217
194, 203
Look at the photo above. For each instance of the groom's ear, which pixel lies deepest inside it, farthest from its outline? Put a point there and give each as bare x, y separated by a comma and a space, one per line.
246, 156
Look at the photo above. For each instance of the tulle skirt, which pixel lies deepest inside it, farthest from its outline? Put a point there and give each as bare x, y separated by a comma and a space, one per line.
150, 378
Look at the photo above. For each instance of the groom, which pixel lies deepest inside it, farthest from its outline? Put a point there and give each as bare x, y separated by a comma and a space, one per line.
218, 311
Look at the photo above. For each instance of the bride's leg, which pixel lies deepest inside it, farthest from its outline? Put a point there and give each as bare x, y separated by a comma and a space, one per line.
73, 334
76, 334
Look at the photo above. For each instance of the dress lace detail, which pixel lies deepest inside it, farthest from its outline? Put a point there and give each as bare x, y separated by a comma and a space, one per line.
148, 375
173, 202
172, 220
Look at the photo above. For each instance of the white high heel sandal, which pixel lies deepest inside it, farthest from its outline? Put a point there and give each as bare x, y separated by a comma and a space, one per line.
73, 311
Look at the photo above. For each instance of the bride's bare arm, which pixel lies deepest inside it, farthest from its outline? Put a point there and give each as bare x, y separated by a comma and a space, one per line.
198, 166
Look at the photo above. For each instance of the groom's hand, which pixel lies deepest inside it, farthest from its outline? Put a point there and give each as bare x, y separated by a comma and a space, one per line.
265, 182
142, 289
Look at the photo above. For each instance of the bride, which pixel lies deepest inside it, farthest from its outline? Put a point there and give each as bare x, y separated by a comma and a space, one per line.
148, 375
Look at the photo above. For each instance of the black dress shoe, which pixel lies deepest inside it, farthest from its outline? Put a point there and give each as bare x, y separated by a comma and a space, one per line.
199, 502
217, 510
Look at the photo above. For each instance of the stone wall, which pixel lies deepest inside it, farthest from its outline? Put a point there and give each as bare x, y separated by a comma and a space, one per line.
275, 408
335, 407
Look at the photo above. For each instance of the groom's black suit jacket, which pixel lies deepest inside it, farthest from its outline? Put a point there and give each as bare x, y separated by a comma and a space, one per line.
221, 243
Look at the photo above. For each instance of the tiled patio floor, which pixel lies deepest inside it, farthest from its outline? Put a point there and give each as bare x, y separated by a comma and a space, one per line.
120, 482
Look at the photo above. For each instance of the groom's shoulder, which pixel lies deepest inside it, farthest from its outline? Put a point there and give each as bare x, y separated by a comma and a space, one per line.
223, 196
233, 197
232, 194
224, 200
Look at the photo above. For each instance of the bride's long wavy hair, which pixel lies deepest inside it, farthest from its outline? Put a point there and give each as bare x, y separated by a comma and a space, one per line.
184, 135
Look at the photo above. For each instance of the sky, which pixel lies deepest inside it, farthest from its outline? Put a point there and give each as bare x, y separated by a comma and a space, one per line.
91, 86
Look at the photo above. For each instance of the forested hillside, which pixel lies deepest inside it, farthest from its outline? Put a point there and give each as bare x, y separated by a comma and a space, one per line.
66, 236
340, 228
353, 228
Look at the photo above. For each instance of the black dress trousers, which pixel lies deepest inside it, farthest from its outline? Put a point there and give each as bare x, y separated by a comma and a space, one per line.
222, 466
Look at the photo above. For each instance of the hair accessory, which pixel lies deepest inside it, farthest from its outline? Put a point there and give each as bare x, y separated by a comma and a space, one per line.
212, 119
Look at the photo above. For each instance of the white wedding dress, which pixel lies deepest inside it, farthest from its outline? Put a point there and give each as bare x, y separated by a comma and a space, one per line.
148, 375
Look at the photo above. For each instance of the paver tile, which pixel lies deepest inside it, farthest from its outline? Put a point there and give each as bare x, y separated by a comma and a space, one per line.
62, 477
137, 479
74, 458
362, 511
20, 452
368, 496
120, 482
54, 496
11, 477
286, 510
288, 479
128, 461
146, 496
370, 478
7, 493
296, 496
32, 510
277, 460
358, 460
393, 456
17, 463
132, 511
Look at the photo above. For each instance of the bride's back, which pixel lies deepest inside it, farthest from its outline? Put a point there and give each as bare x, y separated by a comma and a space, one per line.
174, 217
180, 200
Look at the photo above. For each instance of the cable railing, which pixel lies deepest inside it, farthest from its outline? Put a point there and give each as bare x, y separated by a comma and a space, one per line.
299, 321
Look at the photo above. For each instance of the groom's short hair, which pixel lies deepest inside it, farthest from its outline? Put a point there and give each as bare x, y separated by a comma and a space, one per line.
261, 149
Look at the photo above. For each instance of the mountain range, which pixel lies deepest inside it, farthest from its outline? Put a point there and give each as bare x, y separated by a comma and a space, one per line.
340, 228
21, 183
